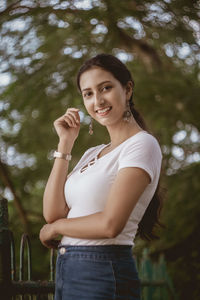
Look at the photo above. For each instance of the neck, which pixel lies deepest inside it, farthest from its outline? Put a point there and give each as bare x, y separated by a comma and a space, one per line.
122, 131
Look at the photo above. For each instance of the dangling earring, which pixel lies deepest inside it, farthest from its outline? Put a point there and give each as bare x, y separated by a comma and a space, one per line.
91, 127
127, 114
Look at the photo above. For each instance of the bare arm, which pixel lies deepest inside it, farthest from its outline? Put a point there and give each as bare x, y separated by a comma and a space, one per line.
54, 203
111, 221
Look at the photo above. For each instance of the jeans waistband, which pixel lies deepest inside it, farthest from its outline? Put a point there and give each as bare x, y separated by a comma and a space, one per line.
119, 250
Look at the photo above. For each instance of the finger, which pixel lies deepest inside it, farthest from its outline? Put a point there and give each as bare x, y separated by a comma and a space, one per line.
78, 116
47, 244
73, 109
55, 243
76, 120
68, 118
52, 244
72, 117
60, 120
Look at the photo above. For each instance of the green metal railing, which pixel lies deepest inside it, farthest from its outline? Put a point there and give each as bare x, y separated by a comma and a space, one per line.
156, 284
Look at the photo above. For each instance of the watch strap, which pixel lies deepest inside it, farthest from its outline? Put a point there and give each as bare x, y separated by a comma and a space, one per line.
62, 155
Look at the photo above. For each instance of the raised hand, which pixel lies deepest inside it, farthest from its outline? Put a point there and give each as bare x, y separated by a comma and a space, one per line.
68, 125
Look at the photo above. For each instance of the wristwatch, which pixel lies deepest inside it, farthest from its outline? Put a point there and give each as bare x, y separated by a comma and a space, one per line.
62, 155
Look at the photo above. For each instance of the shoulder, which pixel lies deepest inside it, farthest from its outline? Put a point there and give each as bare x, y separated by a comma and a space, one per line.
142, 142
142, 151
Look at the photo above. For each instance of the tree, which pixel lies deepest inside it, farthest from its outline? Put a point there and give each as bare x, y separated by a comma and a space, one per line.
42, 47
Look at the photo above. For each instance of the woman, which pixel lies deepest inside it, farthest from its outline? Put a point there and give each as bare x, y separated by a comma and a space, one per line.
110, 194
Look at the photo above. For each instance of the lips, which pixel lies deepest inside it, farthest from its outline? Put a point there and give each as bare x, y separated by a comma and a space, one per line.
103, 111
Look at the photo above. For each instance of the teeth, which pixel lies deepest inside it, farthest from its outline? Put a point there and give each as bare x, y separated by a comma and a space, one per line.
103, 110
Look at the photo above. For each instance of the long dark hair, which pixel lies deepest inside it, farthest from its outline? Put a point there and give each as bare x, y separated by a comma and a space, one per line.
113, 65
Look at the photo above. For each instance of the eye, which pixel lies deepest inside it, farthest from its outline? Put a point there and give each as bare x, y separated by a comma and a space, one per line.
87, 94
106, 88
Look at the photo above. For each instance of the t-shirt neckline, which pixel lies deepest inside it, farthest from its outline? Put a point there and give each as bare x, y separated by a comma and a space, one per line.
105, 145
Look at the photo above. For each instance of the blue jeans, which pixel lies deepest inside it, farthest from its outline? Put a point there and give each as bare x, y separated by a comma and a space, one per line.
105, 272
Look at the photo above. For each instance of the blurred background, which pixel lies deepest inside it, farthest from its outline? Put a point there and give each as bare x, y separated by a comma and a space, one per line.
42, 46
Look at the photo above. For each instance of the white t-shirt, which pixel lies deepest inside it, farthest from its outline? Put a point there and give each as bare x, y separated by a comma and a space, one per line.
86, 192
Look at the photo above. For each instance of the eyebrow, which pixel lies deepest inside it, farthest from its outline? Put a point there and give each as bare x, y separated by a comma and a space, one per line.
97, 85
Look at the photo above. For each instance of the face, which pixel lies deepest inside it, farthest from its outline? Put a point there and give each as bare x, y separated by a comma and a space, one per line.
104, 96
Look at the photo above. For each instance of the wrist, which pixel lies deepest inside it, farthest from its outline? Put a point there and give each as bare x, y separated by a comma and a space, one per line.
62, 155
65, 147
56, 227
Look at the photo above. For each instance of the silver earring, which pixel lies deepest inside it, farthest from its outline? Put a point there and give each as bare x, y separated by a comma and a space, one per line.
127, 114
91, 127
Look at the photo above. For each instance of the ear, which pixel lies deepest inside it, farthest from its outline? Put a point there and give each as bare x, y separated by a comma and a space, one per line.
129, 89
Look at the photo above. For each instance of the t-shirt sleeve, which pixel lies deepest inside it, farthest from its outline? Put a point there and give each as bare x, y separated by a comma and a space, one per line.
144, 153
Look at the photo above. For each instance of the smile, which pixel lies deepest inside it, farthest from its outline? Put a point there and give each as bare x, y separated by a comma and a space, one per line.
103, 112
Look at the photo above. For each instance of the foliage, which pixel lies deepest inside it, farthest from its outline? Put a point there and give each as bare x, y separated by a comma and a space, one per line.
179, 240
42, 47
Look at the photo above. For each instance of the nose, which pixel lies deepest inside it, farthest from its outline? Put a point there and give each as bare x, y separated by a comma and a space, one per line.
99, 101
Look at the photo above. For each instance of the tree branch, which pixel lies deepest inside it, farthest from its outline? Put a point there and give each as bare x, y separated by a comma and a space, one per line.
147, 53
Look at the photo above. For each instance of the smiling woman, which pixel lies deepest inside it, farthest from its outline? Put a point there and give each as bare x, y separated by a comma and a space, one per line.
104, 96
110, 195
